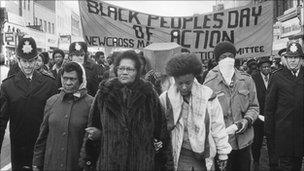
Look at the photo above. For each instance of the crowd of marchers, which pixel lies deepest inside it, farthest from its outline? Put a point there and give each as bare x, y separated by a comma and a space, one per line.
87, 112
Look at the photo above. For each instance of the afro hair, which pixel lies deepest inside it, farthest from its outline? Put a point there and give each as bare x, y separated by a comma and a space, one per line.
182, 64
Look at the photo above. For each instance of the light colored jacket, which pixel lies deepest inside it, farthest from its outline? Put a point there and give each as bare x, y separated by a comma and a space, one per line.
238, 101
202, 103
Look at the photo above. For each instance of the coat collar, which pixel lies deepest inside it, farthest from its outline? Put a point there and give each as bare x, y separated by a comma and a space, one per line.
287, 73
22, 83
110, 92
76, 95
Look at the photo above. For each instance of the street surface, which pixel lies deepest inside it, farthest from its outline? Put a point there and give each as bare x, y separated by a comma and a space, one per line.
5, 155
5, 152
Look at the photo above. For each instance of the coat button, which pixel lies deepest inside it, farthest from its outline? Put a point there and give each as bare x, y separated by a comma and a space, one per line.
61, 165
66, 116
88, 163
64, 133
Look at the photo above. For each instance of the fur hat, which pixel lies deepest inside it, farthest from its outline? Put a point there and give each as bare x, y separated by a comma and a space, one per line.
223, 47
182, 64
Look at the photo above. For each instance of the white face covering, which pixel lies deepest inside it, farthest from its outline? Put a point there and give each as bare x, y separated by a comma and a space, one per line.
226, 67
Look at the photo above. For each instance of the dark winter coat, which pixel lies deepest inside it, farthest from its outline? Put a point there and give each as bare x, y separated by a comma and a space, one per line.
261, 90
62, 131
284, 119
22, 102
261, 94
128, 129
92, 72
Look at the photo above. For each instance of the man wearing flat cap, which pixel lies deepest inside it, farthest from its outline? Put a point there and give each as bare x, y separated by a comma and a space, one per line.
284, 119
22, 100
261, 79
237, 95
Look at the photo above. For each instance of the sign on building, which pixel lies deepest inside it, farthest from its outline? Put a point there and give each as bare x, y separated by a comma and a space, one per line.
64, 42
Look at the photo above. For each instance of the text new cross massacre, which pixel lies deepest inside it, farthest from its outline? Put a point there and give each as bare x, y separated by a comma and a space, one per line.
248, 27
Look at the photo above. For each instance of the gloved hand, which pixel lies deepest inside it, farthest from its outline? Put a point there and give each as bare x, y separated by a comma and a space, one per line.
242, 126
222, 164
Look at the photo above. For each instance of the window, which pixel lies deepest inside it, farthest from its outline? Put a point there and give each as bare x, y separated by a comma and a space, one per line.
45, 26
28, 4
20, 8
53, 28
49, 28
24, 4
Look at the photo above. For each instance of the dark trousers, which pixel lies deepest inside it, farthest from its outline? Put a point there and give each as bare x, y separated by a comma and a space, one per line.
273, 158
258, 127
21, 158
290, 163
238, 160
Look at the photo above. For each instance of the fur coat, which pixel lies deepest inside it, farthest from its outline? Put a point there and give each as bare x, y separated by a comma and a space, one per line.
130, 118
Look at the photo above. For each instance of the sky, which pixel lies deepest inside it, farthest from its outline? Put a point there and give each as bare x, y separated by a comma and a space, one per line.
162, 8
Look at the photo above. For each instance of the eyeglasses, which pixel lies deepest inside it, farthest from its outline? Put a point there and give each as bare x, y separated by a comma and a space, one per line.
128, 69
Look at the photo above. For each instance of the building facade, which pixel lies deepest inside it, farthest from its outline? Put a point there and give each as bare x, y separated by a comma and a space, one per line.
45, 21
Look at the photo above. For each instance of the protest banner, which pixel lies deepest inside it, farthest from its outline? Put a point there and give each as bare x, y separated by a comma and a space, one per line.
248, 27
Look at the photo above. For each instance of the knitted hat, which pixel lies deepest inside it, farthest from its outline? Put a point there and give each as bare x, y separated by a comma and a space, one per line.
223, 47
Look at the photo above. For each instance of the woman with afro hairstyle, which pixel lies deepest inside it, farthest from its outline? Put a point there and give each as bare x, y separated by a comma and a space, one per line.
194, 116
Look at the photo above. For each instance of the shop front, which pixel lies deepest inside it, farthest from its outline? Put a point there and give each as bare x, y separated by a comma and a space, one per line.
292, 24
288, 28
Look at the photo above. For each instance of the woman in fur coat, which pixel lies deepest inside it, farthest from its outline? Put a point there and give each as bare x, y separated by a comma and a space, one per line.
125, 120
